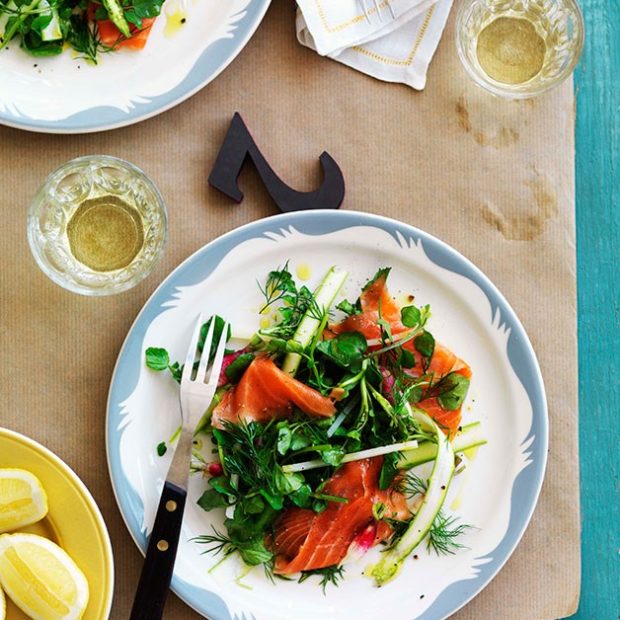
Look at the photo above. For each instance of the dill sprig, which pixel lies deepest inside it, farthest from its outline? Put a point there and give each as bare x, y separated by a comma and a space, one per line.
279, 283
249, 452
220, 543
252, 550
328, 575
411, 485
443, 535
445, 530
269, 567
293, 303
85, 39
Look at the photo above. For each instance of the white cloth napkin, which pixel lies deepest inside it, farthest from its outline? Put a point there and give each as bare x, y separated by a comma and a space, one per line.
396, 48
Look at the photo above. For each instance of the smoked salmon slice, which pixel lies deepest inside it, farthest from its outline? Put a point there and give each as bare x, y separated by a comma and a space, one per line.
265, 392
442, 363
306, 540
111, 36
376, 303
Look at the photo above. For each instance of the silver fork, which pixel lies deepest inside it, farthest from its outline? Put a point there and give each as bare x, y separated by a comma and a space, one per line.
195, 396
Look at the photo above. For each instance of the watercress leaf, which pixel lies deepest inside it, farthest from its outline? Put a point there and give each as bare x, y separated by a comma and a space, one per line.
244, 528
299, 440
222, 485
238, 527
101, 13
162, 448
255, 553
348, 308
407, 359
253, 505
211, 499
157, 359
425, 346
40, 22
133, 18
388, 471
333, 456
346, 350
454, 386
238, 366
41, 49
275, 501
301, 497
146, 8
414, 394
287, 482
285, 438
410, 316
176, 370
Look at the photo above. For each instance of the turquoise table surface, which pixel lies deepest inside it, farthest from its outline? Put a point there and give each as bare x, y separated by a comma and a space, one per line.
597, 85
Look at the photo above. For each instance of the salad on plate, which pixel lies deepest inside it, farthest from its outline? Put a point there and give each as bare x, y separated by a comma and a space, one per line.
89, 28
336, 428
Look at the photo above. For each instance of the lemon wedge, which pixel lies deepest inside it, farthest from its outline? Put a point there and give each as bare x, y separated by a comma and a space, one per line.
2, 605
22, 499
41, 578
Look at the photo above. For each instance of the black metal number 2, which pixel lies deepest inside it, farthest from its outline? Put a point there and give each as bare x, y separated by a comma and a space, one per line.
239, 145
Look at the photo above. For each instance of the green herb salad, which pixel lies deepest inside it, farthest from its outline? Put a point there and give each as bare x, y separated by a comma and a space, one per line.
335, 429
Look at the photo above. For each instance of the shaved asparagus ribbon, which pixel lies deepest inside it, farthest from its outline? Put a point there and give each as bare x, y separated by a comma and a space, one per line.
306, 330
470, 436
412, 453
391, 561
352, 456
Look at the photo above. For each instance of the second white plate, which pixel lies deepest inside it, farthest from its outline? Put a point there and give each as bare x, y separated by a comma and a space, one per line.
64, 94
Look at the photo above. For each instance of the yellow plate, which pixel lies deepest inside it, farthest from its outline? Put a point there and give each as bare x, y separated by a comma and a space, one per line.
73, 521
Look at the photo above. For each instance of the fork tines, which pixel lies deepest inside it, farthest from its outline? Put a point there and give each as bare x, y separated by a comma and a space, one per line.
190, 361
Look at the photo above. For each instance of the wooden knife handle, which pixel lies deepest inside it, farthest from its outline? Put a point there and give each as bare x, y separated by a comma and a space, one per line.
158, 565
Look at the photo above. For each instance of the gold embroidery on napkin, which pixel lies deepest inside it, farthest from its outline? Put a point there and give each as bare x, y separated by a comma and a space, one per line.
355, 20
400, 61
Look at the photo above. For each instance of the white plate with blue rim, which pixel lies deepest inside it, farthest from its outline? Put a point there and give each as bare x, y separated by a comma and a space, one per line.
65, 94
497, 493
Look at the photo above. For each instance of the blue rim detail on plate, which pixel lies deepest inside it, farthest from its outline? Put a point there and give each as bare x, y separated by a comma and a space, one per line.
211, 63
199, 265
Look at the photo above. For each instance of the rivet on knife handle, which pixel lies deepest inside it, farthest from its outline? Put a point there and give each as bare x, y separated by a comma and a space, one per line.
154, 583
